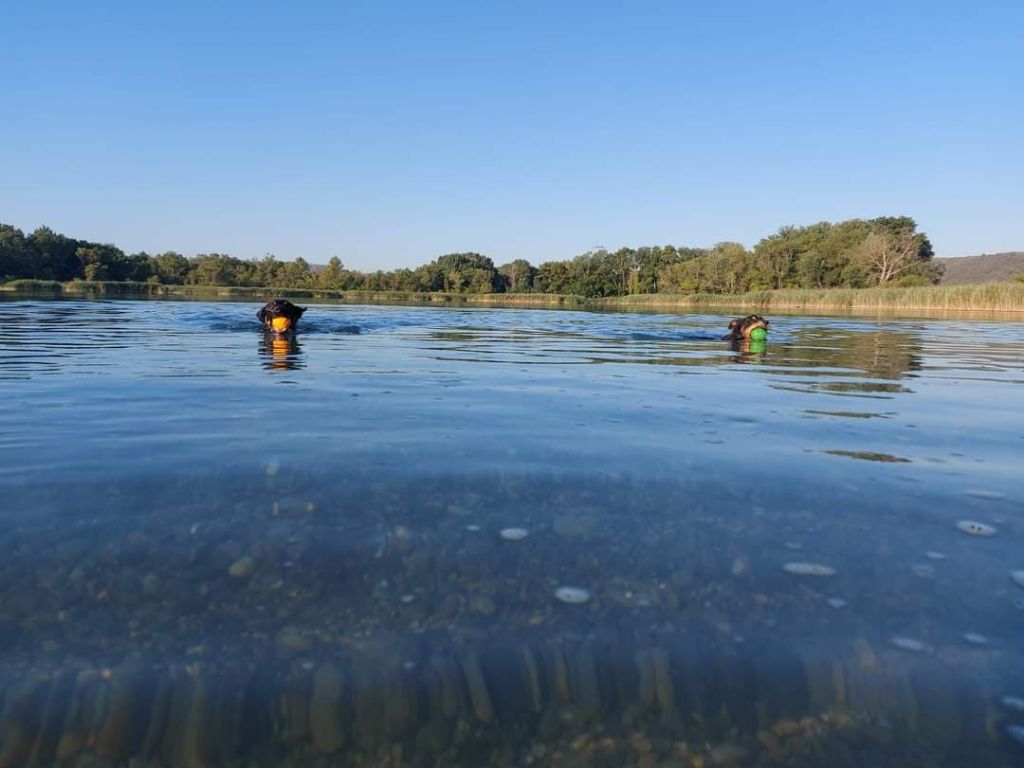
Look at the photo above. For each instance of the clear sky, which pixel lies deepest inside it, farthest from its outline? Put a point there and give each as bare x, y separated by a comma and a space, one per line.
387, 133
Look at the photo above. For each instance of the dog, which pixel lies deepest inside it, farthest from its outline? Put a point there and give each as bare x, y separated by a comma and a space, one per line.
280, 316
740, 328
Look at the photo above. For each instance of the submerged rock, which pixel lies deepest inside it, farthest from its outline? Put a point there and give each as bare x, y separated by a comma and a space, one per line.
514, 534
911, 645
974, 528
241, 568
975, 639
809, 569
572, 595
325, 715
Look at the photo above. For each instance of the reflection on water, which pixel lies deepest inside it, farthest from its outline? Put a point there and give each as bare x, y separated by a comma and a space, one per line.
281, 353
203, 568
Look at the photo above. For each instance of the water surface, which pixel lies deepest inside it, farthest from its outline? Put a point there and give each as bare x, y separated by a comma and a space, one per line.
226, 549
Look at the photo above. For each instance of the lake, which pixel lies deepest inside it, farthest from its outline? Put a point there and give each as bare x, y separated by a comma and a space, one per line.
474, 537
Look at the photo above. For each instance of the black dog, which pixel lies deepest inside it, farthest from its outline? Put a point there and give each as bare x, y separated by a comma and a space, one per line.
740, 328
280, 316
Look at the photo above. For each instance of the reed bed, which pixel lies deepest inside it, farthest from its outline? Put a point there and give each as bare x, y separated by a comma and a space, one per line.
985, 297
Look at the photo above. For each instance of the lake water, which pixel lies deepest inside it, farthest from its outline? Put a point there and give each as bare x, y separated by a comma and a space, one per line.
358, 547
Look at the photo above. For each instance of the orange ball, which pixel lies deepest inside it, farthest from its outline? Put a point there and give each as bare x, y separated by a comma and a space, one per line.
280, 324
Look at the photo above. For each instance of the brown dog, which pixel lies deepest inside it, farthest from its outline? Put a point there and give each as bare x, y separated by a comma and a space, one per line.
741, 327
280, 316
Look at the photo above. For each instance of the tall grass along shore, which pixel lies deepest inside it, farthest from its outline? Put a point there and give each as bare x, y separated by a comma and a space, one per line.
986, 297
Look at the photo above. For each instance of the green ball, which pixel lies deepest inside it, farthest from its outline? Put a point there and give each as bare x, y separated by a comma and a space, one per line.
758, 334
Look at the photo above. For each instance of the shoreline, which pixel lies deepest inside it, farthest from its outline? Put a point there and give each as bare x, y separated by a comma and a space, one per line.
1004, 299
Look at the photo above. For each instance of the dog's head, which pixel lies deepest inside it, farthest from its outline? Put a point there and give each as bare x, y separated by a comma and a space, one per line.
741, 327
280, 316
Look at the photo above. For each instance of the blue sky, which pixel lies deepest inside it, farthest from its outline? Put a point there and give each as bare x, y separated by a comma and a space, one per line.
388, 133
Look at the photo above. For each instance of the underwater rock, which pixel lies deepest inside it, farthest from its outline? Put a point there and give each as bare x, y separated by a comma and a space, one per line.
150, 584
325, 709
974, 528
482, 605
513, 534
476, 684
809, 569
975, 639
836, 602
572, 595
911, 645
121, 732
241, 568
574, 526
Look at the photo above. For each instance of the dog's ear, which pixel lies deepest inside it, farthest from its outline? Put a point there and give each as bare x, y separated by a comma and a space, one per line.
301, 310
733, 324
262, 315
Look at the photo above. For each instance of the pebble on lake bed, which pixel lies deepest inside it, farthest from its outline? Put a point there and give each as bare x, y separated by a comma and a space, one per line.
572, 595
836, 602
911, 645
974, 528
974, 638
809, 569
514, 534
241, 568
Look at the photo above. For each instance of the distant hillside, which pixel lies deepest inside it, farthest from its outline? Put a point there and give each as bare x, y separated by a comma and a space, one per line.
986, 268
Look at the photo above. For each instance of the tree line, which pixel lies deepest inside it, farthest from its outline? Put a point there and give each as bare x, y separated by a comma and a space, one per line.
855, 253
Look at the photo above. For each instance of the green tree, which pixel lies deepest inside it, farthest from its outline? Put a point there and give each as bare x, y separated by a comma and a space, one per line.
518, 276
171, 268
894, 249
53, 256
213, 269
15, 258
333, 275
468, 272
